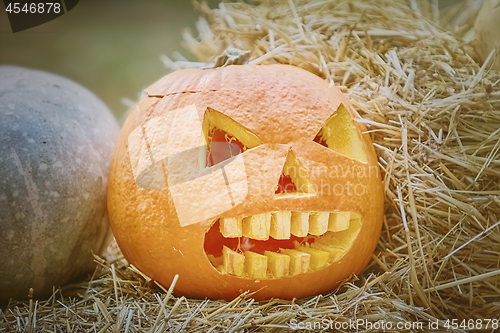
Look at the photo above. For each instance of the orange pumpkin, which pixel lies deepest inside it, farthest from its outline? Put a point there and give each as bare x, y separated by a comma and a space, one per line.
246, 178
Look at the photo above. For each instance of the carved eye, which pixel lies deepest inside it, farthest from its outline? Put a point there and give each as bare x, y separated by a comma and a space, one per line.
340, 134
223, 138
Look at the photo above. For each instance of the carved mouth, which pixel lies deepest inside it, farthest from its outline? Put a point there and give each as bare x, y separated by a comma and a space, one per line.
278, 244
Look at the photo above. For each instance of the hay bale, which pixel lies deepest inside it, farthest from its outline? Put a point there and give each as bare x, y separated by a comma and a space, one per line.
434, 116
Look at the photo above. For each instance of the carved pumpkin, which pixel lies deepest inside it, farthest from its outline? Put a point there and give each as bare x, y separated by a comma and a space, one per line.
245, 178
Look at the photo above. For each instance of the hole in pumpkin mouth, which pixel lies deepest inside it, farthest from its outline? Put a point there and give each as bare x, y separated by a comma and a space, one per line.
279, 244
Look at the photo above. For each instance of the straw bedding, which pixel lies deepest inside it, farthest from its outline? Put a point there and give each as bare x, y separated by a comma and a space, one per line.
434, 116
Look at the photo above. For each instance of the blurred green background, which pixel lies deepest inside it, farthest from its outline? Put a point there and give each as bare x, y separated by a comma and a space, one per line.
111, 47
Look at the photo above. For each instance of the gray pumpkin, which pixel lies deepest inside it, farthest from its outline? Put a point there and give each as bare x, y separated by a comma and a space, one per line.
57, 139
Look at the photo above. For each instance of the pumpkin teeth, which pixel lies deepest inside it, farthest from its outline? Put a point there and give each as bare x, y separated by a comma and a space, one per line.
319, 258
339, 221
257, 227
333, 253
300, 224
318, 223
299, 261
280, 224
255, 265
231, 227
331, 233
233, 262
278, 264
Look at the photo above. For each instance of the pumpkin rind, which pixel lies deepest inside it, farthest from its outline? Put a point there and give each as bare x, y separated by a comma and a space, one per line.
57, 141
285, 107
487, 32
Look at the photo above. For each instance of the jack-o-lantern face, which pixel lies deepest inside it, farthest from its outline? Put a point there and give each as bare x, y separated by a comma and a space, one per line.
246, 178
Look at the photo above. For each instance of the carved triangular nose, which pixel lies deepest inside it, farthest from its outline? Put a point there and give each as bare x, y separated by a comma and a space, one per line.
293, 179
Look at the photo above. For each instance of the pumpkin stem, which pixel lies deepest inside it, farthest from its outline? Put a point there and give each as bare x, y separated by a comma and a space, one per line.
232, 56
